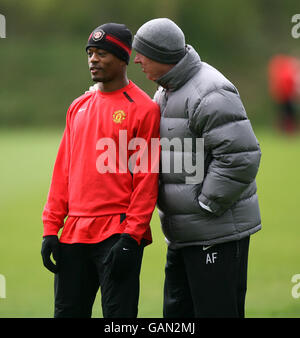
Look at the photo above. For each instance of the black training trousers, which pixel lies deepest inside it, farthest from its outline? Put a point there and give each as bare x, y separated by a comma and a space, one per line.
203, 281
82, 272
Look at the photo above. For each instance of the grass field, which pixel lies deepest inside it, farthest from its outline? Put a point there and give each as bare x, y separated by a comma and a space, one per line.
27, 158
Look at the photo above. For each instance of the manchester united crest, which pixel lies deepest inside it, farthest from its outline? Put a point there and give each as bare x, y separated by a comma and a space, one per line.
118, 116
98, 35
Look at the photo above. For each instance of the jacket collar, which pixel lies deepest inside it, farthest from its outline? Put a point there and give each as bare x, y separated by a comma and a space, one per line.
184, 70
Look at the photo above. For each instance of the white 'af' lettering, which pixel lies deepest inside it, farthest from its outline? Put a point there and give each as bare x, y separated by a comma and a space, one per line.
211, 258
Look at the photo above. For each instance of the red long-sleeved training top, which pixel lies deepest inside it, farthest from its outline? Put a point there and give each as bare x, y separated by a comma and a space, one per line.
90, 183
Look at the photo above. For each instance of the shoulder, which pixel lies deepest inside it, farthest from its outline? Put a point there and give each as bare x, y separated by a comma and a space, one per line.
79, 101
216, 101
82, 98
208, 80
141, 99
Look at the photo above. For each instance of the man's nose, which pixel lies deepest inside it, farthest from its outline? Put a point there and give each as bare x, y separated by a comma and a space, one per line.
94, 58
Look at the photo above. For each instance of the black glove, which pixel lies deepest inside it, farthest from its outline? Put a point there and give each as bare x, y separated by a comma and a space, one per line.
50, 245
122, 256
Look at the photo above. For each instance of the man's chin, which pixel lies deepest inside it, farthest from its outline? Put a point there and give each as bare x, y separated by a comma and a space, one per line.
149, 77
98, 79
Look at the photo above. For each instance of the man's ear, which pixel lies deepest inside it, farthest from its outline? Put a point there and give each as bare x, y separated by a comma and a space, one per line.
123, 63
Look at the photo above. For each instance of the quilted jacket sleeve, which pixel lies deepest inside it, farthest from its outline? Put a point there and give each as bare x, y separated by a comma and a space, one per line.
232, 150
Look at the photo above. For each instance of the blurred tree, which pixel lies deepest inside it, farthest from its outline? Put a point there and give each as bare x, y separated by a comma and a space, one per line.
45, 47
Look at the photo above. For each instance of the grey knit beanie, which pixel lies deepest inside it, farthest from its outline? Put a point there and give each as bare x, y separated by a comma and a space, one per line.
160, 40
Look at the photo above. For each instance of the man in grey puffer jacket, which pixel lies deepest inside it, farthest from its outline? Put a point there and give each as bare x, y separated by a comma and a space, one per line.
207, 224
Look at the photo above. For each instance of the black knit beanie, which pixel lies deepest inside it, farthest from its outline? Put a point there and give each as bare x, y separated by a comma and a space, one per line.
113, 37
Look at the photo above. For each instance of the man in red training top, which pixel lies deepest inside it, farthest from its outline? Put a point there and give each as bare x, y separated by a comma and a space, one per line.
108, 207
284, 77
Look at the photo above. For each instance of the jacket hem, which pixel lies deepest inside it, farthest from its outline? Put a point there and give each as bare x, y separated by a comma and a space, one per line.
233, 237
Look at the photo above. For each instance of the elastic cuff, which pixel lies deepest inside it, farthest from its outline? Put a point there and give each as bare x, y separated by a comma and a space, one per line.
50, 229
213, 206
206, 207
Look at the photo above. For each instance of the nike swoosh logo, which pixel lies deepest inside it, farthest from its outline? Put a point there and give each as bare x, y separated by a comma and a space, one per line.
81, 109
125, 249
206, 247
169, 129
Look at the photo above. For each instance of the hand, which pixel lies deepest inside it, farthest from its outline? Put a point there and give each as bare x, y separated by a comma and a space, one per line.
92, 88
122, 256
50, 245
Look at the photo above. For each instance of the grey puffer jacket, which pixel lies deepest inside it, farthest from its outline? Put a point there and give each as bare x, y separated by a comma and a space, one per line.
197, 101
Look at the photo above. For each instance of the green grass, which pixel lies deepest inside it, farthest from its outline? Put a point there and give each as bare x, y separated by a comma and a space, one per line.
27, 158
275, 250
